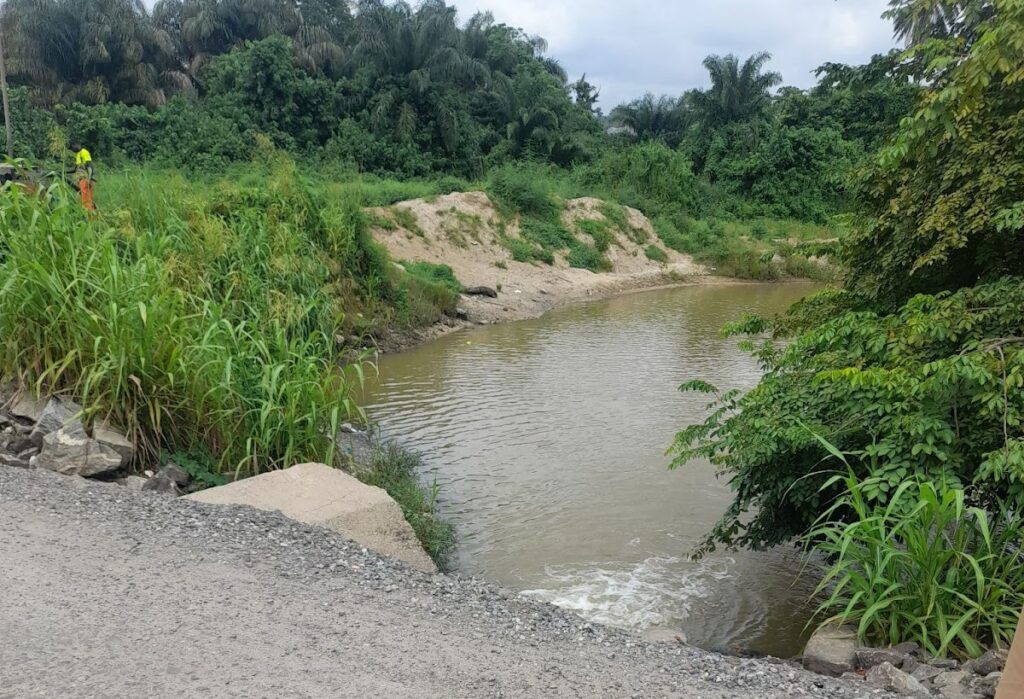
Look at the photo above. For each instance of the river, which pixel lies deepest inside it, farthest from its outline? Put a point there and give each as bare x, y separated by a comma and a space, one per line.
547, 439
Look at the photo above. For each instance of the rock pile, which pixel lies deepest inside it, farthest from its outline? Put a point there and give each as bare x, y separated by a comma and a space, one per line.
49, 434
905, 669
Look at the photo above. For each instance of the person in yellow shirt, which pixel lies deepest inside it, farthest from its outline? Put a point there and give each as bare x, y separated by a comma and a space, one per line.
84, 175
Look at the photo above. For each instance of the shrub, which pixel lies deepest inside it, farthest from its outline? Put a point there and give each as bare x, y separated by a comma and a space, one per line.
598, 230
655, 254
585, 257
925, 567
437, 274
930, 392
524, 191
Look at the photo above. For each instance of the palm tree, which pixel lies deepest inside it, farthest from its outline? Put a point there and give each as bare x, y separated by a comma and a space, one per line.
96, 51
651, 118
416, 56
739, 92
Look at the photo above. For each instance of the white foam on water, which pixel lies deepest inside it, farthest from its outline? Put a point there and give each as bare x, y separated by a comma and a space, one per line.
656, 592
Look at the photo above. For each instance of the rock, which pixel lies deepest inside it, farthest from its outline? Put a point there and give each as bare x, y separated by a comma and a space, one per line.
956, 691
163, 484
320, 495
133, 483
925, 673
887, 676
989, 684
106, 435
27, 408
15, 460
832, 650
949, 679
851, 677
481, 291
71, 452
992, 661
175, 473
910, 663
868, 658
906, 648
944, 663
57, 413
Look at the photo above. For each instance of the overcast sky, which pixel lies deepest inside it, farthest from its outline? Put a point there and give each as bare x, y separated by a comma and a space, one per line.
629, 48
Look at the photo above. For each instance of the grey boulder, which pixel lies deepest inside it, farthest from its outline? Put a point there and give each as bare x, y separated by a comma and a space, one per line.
106, 435
992, 661
889, 677
868, 658
71, 452
57, 414
832, 650
163, 484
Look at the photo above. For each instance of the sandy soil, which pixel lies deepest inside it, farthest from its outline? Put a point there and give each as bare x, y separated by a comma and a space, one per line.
464, 231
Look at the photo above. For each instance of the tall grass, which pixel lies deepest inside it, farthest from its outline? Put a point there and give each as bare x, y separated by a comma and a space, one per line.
121, 320
925, 567
201, 316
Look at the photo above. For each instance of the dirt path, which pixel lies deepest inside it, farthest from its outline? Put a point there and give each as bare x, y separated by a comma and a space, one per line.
108, 593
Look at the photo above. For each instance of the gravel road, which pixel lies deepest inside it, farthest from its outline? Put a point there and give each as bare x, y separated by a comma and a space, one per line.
109, 593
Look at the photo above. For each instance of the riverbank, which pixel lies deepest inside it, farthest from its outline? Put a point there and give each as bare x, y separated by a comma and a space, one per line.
112, 593
466, 238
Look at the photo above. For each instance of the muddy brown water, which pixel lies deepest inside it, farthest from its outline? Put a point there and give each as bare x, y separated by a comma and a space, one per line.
547, 439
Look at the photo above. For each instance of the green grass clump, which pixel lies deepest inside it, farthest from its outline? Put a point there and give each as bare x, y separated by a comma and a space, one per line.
599, 231
585, 257
519, 190
551, 236
396, 470
925, 567
616, 216
434, 273
655, 254
524, 251
406, 218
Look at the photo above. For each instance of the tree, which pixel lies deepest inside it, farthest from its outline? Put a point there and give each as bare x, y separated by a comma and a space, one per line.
93, 52
916, 21
739, 92
652, 118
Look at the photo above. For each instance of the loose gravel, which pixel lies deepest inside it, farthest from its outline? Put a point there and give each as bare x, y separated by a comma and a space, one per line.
111, 593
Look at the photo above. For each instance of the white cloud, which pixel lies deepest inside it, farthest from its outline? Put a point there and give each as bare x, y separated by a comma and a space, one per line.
629, 48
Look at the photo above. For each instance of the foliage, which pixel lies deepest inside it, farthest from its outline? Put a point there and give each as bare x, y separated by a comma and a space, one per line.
926, 567
655, 254
936, 205
438, 274
928, 392
396, 470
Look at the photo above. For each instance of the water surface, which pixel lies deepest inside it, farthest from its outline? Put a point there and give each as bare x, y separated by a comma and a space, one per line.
548, 438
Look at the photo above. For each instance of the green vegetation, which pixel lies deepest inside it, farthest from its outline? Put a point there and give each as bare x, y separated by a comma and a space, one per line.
397, 470
924, 567
655, 254
913, 371
199, 316
406, 218
436, 274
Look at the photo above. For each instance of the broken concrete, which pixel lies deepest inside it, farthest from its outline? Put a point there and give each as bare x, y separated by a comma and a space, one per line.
320, 495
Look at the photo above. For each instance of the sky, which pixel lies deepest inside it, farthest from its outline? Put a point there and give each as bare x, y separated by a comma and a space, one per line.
628, 47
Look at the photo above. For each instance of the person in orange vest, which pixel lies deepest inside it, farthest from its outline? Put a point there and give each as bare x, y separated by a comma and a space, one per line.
84, 175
